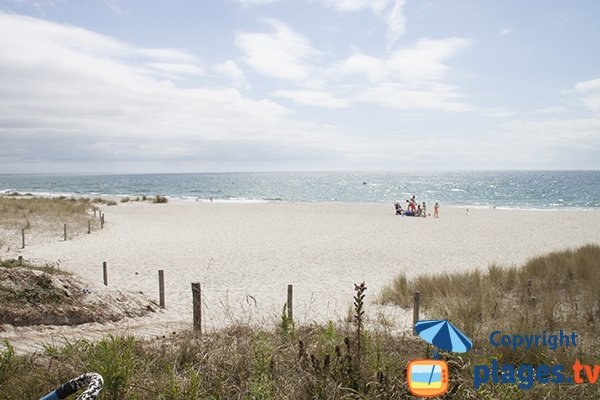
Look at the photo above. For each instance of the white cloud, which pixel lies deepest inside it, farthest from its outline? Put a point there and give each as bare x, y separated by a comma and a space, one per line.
551, 110
68, 94
588, 86
115, 6
282, 53
377, 6
590, 90
396, 23
434, 97
498, 112
250, 3
425, 61
230, 70
505, 31
315, 98
39, 4
409, 78
174, 70
391, 12
372, 68
557, 134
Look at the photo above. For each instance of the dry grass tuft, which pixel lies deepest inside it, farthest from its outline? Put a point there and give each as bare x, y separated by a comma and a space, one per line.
158, 199
20, 212
43, 217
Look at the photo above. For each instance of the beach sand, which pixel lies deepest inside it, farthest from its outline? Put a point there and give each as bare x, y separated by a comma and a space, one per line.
245, 254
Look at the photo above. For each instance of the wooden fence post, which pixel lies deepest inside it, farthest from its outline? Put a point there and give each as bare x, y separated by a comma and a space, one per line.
65, 232
290, 302
102, 221
197, 304
161, 288
417, 302
532, 298
22, 238
89, 226
20, 261
105, 273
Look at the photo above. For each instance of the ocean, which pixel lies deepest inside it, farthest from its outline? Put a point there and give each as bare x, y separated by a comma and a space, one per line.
501, 189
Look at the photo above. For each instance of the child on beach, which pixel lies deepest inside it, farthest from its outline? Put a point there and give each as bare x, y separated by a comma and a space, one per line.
436, 210
424, 208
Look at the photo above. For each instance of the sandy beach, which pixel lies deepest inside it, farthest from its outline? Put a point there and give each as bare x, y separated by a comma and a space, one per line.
245, 254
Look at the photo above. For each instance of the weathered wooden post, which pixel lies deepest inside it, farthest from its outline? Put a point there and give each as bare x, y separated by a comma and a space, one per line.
22, 238
532, 298
101, 220
65, 231
417, 301
197, 304
290, 302
105, 273
89, 226
20, 261
161, 288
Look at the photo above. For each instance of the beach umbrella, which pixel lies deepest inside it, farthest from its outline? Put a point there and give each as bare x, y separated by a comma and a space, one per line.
442, 334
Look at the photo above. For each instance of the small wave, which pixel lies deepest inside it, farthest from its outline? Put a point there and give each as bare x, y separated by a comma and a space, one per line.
527, 209
44, 194
241, 200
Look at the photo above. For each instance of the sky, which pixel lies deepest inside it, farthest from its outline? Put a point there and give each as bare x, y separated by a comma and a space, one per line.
124, 86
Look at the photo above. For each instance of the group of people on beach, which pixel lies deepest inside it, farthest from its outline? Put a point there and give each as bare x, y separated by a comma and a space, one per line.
413, 209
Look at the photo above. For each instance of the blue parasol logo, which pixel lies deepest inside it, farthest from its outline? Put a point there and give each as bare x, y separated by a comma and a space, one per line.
442, 334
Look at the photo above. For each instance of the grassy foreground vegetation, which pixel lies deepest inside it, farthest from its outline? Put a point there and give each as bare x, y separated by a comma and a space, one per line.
346, 361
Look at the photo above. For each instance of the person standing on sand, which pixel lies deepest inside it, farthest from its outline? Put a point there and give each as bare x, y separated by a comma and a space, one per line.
412, 204
424, 208
436, 210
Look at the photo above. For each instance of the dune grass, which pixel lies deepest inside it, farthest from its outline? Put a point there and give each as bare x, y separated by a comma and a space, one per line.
45, 217
48, 268
22, 212
100, 200
348, 361
555, 290
158, 199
